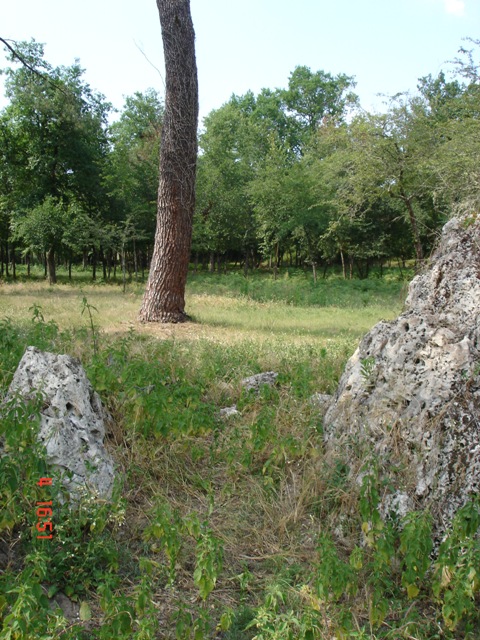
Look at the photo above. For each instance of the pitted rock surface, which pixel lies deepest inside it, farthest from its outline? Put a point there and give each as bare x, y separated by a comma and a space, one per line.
72, 420
255, 383
229, 412
322, 401
411, 391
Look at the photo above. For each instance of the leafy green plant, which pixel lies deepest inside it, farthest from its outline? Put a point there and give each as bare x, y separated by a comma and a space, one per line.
37, 315
23, 459
85, 548
166, 527
372, 523
208, 556
169, 529
275, 621
10, 349
334, 578
456, 579
146, 622
118, 611
415, 545
245, 579
29, 614
193, 627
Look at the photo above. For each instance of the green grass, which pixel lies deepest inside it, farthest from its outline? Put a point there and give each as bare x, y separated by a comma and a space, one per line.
295, 287
226, 307
230, 529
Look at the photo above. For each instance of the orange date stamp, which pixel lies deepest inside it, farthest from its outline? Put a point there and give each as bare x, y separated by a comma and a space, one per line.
44, 512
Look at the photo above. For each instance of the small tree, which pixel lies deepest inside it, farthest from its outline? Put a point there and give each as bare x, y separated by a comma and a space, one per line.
42, 230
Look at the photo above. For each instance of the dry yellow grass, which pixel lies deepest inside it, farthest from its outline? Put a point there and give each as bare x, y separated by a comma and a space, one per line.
217, 318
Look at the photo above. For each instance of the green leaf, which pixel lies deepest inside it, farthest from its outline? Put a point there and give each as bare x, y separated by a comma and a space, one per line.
85, 612
226, 620
52, 591
412, 591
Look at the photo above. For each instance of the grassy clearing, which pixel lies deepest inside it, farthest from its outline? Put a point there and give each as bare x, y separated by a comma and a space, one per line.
233, 529
226, 308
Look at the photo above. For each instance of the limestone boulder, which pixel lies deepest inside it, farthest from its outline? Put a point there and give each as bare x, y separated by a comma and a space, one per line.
229, 412
72, 420
411, 392
256, 382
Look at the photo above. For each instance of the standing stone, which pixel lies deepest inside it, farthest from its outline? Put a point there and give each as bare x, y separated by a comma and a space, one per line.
411, 392
72, 425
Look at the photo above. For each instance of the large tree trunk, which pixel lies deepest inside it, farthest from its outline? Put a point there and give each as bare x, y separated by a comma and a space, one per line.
164, 299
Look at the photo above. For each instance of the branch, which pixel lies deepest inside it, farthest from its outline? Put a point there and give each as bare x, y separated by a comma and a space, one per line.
21, 58
44, 76
150, 63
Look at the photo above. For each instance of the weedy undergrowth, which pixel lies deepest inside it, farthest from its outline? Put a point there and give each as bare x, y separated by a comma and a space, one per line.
390, 570
172, 534
234, 529
456, 579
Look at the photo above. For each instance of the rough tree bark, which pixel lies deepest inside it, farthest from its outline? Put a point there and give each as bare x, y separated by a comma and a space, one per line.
164, 299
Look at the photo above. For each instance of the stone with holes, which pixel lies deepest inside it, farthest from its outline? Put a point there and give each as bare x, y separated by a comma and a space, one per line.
72, 420
256, 382
411, 392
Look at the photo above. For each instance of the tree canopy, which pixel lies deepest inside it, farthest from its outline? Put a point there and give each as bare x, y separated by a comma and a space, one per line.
299, 173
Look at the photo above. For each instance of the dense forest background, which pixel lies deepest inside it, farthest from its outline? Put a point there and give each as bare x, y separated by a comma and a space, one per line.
300, 176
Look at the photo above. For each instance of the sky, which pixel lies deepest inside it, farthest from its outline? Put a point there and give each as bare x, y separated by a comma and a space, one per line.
250, 44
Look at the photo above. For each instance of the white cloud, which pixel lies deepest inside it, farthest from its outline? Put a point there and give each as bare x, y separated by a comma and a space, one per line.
455, 7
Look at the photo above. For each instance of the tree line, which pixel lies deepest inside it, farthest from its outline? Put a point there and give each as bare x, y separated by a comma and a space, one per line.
74, 188
300, 175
